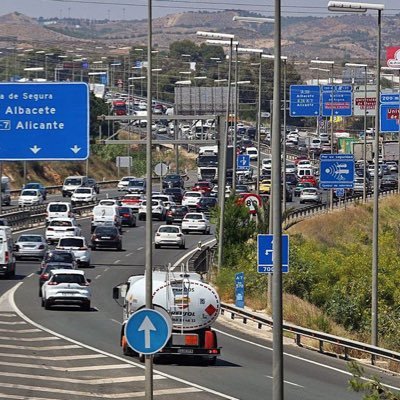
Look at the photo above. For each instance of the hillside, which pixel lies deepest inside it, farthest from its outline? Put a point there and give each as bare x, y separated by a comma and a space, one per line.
343, 36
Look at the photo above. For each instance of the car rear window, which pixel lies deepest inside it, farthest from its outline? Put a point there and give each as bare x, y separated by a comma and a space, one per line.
71, 242
106, 230
29, 193
60, 223
169, 229
69, 278
74, 181
58, 208
83, 190
30, 238
61, 257
194, 216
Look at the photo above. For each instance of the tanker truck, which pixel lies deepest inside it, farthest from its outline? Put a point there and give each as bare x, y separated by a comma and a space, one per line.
192, 304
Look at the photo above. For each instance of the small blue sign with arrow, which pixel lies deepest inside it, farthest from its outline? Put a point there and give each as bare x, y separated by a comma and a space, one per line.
243, 162
147, 331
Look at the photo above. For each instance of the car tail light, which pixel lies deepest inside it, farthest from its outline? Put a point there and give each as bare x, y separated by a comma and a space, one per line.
6, 256
41, 246
85, 284
82, 248
50, 229
179, 235
169, 212
157, 234
53, 283
44, 276
125, 215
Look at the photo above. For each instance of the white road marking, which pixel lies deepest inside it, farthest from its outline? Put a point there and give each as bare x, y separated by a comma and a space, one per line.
118, 322
37, 339
140, 248
16, 397
100, 381
9, 315
106, 269
63, 369
300, 358
165, 392
98, 276
128, 255
12, 323
21, 330
57, 358
42, 348
289, 383
30, 275
117, 261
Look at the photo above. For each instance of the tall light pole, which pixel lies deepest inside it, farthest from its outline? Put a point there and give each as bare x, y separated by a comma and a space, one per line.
364, 7
365, 66
223, 141
331, 64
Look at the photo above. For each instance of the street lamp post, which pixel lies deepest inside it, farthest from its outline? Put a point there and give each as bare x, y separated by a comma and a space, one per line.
223, 144
365, 66
364, 7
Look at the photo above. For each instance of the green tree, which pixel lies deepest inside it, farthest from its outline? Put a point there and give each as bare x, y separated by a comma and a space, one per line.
97, 107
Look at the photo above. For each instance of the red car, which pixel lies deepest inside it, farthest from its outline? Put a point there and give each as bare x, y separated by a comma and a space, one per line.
298, 158
204, 187
309, 178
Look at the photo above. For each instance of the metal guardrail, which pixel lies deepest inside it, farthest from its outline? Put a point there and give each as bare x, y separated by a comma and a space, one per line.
299, 332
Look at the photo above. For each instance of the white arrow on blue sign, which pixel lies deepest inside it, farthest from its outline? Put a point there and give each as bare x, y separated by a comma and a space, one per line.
147, 331
243, 162
265, 253
44, 121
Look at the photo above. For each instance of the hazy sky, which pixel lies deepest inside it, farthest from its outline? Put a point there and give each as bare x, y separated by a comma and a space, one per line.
137, 9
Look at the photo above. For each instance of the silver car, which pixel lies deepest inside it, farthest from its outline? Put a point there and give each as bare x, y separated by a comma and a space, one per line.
30, 245
77, 245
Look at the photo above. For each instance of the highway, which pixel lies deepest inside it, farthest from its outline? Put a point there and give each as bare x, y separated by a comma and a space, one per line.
244, 370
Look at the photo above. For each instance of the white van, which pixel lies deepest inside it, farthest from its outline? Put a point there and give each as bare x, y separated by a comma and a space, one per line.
105, 215
58, 209
5, 191
252, 152
7, 257
73, 182
305, 171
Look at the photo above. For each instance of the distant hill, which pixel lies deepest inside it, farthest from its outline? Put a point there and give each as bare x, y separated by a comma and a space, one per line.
348, 36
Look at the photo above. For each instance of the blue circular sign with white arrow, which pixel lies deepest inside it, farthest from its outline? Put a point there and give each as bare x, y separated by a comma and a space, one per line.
147, 331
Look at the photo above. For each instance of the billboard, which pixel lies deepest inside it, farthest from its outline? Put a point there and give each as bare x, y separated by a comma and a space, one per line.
198, 100
393, 57
359, 100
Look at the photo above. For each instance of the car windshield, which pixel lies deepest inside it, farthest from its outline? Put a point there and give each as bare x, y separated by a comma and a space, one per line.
30, 238
71, 242
58, 208
29, 193
83, 190
169, 229
194, 216
73, 181
172, 177
60, 257
60, 223
32, 186
135, 182
69, 278
106, 231
309, 191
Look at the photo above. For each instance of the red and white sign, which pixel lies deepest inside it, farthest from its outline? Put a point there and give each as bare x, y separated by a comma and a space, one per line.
393, 57
359, 100
252, 202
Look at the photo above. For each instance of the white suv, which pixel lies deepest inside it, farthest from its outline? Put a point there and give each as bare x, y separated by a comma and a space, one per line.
67, 286
62, 227
83, 195
157, 209
123, 183
197, 222
191, 198
78, 246
58, 209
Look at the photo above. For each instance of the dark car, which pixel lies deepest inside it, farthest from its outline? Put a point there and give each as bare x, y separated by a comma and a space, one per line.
45, 275
289, 193
38, 186
127, 216
291, 179
93, 184
242, 189
251, 132
58, 256
177, 193
4, 222
205, 204
176, 214
388, 182
106, 236
172, 180
244, 143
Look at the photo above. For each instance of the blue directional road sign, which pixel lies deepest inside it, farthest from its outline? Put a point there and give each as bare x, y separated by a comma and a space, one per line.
304, 100
243, 162
339, 192
147, 331
389, 112
342, 100
44, 121
265, 253
336, 171
239, 289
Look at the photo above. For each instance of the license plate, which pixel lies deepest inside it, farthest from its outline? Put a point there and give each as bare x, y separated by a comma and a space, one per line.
105, 237
185, 351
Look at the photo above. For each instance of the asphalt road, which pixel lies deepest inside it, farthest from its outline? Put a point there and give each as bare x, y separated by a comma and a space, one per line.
244, 370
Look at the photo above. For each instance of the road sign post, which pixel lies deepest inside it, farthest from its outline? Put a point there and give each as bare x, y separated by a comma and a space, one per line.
265, 254
243, 162
44, 121
336, 171
304, 101
147, 331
